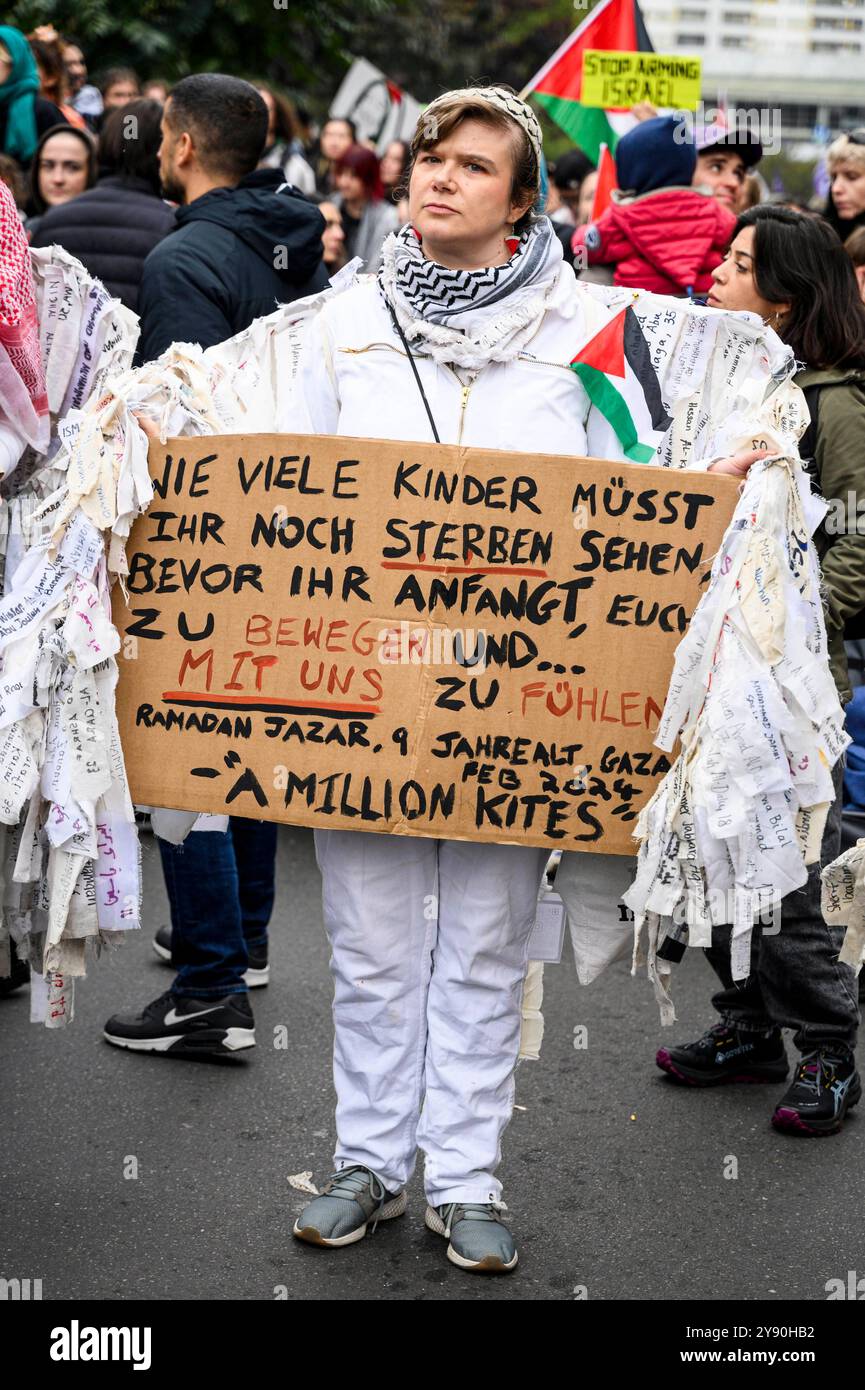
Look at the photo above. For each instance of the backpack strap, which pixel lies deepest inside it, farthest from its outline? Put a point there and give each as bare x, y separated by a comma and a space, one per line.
808, 442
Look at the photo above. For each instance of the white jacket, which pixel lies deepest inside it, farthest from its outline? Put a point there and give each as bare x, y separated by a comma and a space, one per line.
357, 380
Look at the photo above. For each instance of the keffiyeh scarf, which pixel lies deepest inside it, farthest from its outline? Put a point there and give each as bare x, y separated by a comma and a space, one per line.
467, 318
23, 400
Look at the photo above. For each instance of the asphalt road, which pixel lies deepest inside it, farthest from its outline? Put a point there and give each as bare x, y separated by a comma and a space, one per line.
613, 1175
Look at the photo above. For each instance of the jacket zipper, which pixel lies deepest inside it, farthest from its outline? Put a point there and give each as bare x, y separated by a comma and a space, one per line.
464, 402
464, 398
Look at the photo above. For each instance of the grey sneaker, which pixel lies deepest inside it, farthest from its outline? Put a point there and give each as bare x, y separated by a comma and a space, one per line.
479, 1239
341, 1214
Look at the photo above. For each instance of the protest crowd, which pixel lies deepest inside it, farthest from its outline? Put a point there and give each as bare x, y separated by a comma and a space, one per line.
176, 199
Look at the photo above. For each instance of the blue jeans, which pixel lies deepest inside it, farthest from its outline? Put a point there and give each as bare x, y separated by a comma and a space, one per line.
221, 890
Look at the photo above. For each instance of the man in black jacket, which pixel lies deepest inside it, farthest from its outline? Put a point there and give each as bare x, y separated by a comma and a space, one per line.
244, 242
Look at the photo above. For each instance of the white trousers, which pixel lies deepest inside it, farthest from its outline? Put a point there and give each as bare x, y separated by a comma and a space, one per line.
429, 951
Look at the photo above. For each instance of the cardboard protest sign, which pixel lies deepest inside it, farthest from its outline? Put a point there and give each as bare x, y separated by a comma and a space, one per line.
427, 640
619, 80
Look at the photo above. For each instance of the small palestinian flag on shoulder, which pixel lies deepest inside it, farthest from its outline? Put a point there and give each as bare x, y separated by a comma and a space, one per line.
616, 369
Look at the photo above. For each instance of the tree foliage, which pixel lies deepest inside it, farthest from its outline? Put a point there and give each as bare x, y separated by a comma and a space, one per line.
305, 45
449, 43
302, 44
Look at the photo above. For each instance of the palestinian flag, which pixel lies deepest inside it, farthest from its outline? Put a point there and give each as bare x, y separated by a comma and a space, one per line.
616, 369
606, 185
613, 25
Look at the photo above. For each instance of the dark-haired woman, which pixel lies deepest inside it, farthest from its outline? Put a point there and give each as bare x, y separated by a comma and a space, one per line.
792, 270
64, 165
393, 168
337, 135
53, 81
283, 149
367, 217
113, 227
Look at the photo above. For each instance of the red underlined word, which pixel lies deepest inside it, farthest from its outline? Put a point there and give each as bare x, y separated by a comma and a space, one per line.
229, 700
461, 569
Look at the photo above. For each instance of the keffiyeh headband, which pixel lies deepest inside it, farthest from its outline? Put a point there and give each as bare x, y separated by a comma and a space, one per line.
503, 99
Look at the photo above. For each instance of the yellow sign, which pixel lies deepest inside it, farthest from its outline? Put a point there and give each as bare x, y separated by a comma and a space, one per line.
619, 80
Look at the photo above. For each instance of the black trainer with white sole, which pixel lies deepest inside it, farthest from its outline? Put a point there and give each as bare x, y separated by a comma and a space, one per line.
257, 974
186, 1027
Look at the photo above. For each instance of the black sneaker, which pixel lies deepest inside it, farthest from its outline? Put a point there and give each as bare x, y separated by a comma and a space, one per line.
726, 1053
257, 974
825, 1087
190, 1027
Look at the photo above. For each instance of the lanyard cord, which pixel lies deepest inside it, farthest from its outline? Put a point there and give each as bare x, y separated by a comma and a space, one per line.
402, 337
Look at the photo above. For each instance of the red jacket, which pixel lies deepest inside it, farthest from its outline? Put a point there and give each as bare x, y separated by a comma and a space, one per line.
667, 241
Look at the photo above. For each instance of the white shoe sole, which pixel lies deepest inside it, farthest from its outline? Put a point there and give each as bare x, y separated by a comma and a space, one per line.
490, 1264
393, 1208
253, 979
235, 1040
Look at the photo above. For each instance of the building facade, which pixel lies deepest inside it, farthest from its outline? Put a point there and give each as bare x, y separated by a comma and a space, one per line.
804, 59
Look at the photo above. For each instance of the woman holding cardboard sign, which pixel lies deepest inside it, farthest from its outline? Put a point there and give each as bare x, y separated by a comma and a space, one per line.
464, 336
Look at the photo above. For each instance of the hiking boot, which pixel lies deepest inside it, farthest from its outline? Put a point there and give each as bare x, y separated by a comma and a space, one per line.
349, 1201
825, 1087
257, 973
726, 1053
479, 1239
186, 1027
